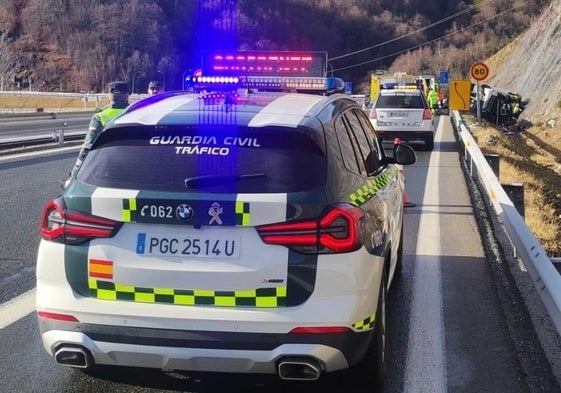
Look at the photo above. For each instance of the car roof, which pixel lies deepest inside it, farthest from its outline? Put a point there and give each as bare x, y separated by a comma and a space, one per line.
254, 110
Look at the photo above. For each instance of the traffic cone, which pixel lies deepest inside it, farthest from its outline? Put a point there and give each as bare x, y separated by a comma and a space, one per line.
406, 201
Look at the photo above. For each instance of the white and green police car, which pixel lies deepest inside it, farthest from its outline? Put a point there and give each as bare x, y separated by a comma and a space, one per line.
226, 232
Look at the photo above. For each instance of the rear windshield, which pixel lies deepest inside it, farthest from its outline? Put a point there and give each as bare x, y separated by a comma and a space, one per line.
209, 159
405, 100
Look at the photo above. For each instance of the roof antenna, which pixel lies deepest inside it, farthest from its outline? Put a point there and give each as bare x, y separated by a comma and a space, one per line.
331, 66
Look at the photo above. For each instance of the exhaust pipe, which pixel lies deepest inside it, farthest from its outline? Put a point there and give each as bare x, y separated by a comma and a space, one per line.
299, 368
74, 356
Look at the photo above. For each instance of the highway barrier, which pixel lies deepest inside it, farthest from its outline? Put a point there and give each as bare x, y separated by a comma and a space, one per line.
68, 129
545, 276
57, 139
19, 116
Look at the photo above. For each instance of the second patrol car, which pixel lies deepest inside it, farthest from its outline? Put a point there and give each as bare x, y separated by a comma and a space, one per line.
403, 113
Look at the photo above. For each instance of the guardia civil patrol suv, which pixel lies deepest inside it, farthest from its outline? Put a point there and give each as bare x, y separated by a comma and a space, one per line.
227, 232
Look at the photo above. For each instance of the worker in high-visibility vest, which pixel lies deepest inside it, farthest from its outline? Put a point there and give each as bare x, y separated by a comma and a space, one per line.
118, 100
432, 98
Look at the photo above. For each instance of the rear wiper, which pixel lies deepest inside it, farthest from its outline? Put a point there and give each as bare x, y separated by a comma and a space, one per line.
210, 180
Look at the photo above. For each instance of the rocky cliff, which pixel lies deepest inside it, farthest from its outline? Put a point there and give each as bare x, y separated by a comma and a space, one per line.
531, 66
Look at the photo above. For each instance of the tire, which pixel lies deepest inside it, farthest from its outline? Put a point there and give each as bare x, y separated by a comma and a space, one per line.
399, 261
369, 373
429, 143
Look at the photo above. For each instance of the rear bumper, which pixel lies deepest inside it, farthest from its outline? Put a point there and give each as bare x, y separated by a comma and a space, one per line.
405, 136
213, 338
203, 351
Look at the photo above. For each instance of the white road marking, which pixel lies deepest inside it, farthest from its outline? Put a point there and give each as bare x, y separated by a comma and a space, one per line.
425, 368
17, 308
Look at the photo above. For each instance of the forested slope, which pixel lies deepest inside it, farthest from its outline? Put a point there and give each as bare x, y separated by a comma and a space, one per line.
75, 45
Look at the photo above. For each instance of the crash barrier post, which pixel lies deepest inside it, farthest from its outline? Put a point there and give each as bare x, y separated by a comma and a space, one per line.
543, 273
58, 134
515, 191
494, 163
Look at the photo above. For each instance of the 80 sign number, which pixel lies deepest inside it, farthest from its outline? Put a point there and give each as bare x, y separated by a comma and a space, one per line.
479, 71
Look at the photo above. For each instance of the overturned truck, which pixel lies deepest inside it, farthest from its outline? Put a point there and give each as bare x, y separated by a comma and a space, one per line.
498, 106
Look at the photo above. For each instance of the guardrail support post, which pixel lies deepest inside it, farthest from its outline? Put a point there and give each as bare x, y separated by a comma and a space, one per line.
58, 134
494, 163
515, 192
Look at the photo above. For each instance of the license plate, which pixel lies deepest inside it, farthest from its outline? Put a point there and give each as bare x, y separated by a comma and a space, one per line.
201, 246
397, 114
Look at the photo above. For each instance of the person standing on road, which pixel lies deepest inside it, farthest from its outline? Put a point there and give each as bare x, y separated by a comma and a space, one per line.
154, 87
432, 98
441, 98
118, 100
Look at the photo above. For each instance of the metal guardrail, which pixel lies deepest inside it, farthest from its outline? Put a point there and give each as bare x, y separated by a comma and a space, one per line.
18, 116
58, 139
545, 276
59, 136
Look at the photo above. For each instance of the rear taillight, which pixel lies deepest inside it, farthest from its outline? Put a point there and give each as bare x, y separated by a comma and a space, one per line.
57, 316
337, 231
426, 114
64, 226
373, 114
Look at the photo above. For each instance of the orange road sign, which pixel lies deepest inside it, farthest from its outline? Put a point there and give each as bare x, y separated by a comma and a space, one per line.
459, 95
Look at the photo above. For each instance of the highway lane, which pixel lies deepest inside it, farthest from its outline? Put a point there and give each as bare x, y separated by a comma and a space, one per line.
450, 328
451, 301
25, 186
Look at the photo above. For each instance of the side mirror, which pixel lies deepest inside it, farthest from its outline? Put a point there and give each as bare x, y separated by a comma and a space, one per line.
403, 154
372, 163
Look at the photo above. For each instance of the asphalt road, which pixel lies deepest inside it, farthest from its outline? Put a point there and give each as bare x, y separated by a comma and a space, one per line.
458, 320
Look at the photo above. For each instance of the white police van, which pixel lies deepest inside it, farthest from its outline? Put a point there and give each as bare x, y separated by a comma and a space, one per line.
227, 230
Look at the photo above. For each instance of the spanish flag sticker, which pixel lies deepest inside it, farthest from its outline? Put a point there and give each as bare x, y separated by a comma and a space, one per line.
101, 269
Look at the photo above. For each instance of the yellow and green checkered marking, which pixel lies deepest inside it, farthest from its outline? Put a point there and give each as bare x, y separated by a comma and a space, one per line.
129, 210
260, 297
365, 324
242, 213
370, 189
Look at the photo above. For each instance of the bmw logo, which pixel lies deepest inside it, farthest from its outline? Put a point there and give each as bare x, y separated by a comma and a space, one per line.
184, 212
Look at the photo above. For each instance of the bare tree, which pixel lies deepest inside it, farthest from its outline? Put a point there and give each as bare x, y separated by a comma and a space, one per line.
8, 61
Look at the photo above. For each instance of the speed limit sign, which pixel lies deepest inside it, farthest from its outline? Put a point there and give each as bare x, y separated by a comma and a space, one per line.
479, 71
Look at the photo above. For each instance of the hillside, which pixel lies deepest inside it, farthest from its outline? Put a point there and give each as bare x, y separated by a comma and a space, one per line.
531, 66
80, 45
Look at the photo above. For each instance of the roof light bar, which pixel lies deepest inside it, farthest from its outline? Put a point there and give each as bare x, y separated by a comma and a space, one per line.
262, 83
264, 72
